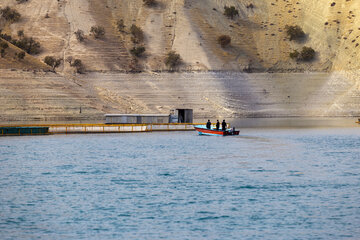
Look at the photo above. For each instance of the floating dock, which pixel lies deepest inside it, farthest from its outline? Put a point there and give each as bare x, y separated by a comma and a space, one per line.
92, 128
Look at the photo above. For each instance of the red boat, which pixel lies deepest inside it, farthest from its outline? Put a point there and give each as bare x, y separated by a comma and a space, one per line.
202, 130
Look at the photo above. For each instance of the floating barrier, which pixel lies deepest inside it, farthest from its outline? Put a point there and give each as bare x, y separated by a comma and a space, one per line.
94, 128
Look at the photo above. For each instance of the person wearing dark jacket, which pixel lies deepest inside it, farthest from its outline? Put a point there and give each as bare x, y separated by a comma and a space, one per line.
217, 125
208, 124
223, 125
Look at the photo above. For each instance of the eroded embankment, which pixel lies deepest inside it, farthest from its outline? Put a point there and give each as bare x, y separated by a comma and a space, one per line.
28, 96
233, 94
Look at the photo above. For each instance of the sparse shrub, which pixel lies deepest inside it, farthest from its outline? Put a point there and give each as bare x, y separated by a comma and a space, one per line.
294, 32
224, 40
20, 33
250, 6
27, 44
149, 2
120, 25
5, 36
21, 1
137, 51
230, 12
80, 36
76, 63
47, 15
10, 15
97, 31
3, 45
52, 61
294, 55
137, 34
20, 55
172, 59
307, 54
69, 59
79, 66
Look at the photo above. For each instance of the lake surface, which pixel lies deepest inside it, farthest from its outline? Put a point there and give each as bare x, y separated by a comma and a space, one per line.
293, 183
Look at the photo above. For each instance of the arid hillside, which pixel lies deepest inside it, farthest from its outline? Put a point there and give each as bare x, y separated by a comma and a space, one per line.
191, 28
111, 41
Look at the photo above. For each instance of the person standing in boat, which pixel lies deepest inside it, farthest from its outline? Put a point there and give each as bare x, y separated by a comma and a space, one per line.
208, 124
217, 125
223, 125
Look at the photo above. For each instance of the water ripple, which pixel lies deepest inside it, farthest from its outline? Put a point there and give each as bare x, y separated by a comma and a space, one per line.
268, 184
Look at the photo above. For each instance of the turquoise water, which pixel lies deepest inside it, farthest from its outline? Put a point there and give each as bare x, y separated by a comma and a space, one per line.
265, 184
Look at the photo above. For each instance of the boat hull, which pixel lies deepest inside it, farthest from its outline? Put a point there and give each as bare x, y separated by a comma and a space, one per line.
214, 132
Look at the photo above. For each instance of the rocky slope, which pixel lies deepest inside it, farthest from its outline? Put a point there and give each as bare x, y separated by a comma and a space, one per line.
191, 28
329, 84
